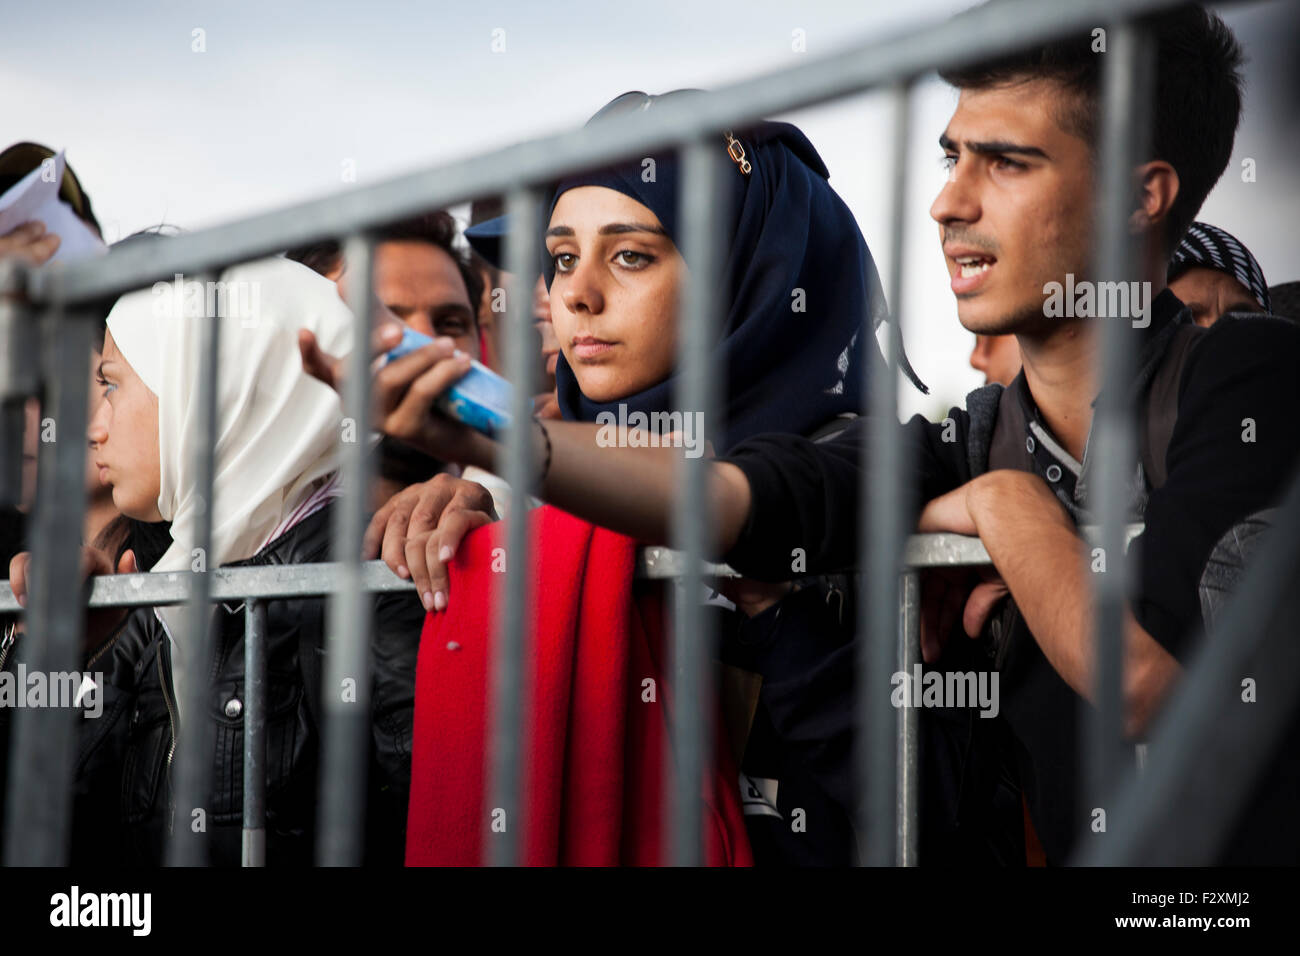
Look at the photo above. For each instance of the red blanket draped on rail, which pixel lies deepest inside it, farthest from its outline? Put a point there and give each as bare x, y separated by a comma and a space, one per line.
596, 730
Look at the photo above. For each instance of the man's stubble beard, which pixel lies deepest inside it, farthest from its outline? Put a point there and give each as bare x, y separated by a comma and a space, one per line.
1027, 319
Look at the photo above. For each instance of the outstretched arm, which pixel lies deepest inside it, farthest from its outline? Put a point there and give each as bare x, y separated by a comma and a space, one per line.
629, 490
1035, 549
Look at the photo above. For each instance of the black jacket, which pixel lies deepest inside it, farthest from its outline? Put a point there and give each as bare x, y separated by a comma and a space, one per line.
123, 796
1242, 371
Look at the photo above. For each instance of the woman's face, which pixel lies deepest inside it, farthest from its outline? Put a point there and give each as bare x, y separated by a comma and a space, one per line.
614, 295
124, 437
32, 442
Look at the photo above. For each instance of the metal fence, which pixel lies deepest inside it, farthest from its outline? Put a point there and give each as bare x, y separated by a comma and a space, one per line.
1151, 820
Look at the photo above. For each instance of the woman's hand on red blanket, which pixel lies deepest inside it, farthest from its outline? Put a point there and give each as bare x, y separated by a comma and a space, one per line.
418, 531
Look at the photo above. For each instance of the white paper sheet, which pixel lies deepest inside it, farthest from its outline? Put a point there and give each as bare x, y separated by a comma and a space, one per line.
36, 197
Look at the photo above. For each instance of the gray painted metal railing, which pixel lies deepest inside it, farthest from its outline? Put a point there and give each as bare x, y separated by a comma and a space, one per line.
193, 763
345, 745
508, 668
1127, 85
41, 766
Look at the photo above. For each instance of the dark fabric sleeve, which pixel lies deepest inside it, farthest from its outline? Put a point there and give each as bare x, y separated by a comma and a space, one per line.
13, 528
399, 619
398, 622
1241, 382
805, 493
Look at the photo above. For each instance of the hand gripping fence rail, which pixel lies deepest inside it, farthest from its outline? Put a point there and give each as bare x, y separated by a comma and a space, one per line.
51, 312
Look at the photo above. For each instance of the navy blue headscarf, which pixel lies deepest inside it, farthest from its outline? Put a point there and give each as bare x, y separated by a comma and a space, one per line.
787, 370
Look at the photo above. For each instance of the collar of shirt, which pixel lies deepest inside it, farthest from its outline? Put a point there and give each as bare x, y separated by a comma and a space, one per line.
1064, 474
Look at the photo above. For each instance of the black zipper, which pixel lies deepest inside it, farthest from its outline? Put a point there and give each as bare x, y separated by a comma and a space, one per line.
108, 644
7, 642
164, 679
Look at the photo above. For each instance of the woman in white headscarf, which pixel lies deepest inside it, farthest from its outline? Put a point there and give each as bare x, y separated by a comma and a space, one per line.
275, 465
277, 431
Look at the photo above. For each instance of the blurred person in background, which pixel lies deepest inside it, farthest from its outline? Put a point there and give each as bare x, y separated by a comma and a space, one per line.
486, 235
1212, 272
419, 275
997, 356
31, 243
425, 281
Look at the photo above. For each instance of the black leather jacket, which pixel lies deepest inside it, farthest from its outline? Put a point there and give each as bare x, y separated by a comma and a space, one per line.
123, 796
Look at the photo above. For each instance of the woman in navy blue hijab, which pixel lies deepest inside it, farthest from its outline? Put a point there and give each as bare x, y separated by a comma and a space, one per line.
798, 283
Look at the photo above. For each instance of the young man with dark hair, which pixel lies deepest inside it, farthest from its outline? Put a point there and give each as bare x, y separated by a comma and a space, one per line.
1015, 216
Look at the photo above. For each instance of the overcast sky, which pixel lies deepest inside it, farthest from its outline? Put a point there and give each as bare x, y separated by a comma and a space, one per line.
287, 94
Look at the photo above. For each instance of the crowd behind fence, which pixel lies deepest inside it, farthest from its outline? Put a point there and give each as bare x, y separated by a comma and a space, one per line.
63, 303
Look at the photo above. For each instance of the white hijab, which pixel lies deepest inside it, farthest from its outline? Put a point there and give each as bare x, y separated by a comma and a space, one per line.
278, 429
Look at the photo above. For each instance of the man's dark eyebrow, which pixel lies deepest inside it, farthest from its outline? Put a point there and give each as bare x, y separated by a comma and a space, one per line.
438, 310
452, 308
612, 229
992, 147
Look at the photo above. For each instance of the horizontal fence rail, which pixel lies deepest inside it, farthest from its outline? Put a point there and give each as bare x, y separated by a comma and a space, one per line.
314, 580
987, 32
253, 587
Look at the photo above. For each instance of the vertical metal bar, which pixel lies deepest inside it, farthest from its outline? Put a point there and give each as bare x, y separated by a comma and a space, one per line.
701, 215
880, 544
20, 344
1127, 85
196, 729
253, 848
509, 687
909, 718
345, 694
41, 763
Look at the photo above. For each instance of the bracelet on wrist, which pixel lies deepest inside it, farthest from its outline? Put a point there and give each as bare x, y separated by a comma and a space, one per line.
546, 465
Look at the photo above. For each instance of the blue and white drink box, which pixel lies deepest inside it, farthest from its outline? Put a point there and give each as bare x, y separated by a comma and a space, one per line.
481, 399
